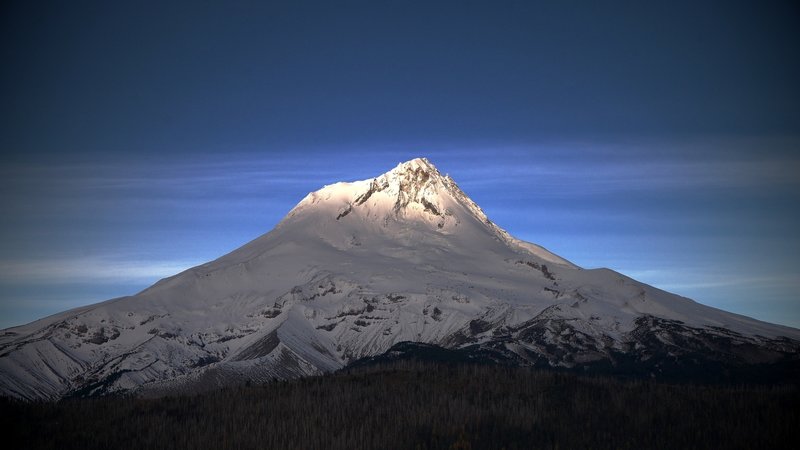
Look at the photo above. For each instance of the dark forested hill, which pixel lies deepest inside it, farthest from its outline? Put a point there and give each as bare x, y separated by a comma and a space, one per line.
409, 404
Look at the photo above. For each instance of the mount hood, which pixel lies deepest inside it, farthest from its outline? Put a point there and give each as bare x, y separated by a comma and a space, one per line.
370, 269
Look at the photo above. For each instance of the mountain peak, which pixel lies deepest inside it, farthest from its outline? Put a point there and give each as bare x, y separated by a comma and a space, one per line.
414, 181
413, 195
416, 173
416, 165
414, 188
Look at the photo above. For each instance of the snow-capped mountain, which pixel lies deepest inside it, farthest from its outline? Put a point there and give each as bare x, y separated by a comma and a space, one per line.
356, 268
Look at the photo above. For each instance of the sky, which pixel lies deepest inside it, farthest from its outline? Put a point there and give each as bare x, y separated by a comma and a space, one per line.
662, 140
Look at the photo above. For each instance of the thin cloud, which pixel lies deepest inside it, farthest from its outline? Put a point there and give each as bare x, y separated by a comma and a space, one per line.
89, 270
563, 179
667, 279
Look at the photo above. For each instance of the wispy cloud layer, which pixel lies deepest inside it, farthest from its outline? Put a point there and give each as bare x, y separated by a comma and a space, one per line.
557, 169
569, 176
677, 280
89, 270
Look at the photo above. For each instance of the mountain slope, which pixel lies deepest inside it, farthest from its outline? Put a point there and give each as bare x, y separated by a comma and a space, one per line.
354, 269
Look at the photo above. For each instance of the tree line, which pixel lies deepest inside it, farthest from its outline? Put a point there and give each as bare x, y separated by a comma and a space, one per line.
422, 405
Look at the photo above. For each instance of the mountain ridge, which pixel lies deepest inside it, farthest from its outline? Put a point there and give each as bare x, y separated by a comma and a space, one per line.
354, 269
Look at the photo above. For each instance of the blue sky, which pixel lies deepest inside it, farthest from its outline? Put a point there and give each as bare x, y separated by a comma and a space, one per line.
662, 141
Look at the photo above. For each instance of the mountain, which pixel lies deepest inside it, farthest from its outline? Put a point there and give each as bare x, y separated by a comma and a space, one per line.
404, 262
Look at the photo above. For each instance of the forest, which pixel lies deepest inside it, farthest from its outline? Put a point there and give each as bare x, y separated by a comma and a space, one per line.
422, 405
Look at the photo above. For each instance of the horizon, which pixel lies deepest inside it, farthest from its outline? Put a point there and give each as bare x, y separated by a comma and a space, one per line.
659, 141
